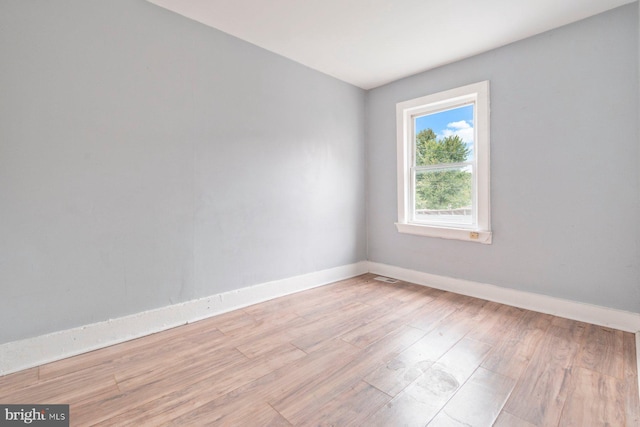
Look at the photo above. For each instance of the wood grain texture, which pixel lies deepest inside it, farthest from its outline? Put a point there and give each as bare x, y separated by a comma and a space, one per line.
512, 354
11, 383
542, 389
594, 399
349, 408
632, 399
602, 351
352, 353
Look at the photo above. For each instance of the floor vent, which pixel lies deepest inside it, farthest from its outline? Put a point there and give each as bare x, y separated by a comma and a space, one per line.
385, 279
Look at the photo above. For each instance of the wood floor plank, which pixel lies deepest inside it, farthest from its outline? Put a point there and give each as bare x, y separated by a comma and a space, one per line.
602, 351
632, 399
137, 365
417, 359
512, 356
496, 324
408, 366
349, 408
268, 320
593, 399
418, 403
308, 371
505, 419
366, 285
208, 360
155, 344
542, 389
255, 345
368, 333
230, 322
406, 292
362, 289
205, 389
310, 398
300, 302
436, 311
18, 380
74, 387
478, 402
463, 359
136, 393
317, 333
256, 414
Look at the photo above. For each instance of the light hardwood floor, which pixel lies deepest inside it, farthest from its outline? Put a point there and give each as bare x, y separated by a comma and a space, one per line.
358, 352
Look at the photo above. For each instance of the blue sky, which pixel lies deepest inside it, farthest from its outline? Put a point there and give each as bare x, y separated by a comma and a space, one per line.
458, 121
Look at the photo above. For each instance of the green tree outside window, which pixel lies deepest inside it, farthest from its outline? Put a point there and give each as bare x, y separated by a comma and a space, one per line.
441, 189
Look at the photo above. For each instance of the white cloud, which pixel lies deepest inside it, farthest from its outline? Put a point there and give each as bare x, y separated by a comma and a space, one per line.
463, 129
462, 124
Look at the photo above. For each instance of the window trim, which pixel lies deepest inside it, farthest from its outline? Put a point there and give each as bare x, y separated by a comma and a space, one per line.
478, 93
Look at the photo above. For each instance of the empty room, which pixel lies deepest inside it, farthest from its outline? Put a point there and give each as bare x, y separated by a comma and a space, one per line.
306, 213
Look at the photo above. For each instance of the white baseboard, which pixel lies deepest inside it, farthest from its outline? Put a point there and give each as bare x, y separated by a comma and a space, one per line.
18, 355
597, 315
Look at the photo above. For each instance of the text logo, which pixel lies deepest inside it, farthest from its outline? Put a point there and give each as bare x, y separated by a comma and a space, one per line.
34, 415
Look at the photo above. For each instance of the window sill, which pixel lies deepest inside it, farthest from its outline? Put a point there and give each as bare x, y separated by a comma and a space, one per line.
445, 233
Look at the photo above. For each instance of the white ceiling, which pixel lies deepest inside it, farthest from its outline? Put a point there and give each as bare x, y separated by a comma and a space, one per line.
372, 42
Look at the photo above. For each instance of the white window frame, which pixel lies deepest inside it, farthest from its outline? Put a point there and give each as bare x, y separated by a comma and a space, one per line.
406, 112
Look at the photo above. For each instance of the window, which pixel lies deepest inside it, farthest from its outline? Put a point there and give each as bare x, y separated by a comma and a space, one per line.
443, 164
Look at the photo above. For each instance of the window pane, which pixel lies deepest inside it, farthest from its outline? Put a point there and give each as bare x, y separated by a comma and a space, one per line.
445, 137
444, 195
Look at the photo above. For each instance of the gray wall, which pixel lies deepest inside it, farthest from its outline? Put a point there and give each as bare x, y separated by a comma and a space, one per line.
564, 153
146, 159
